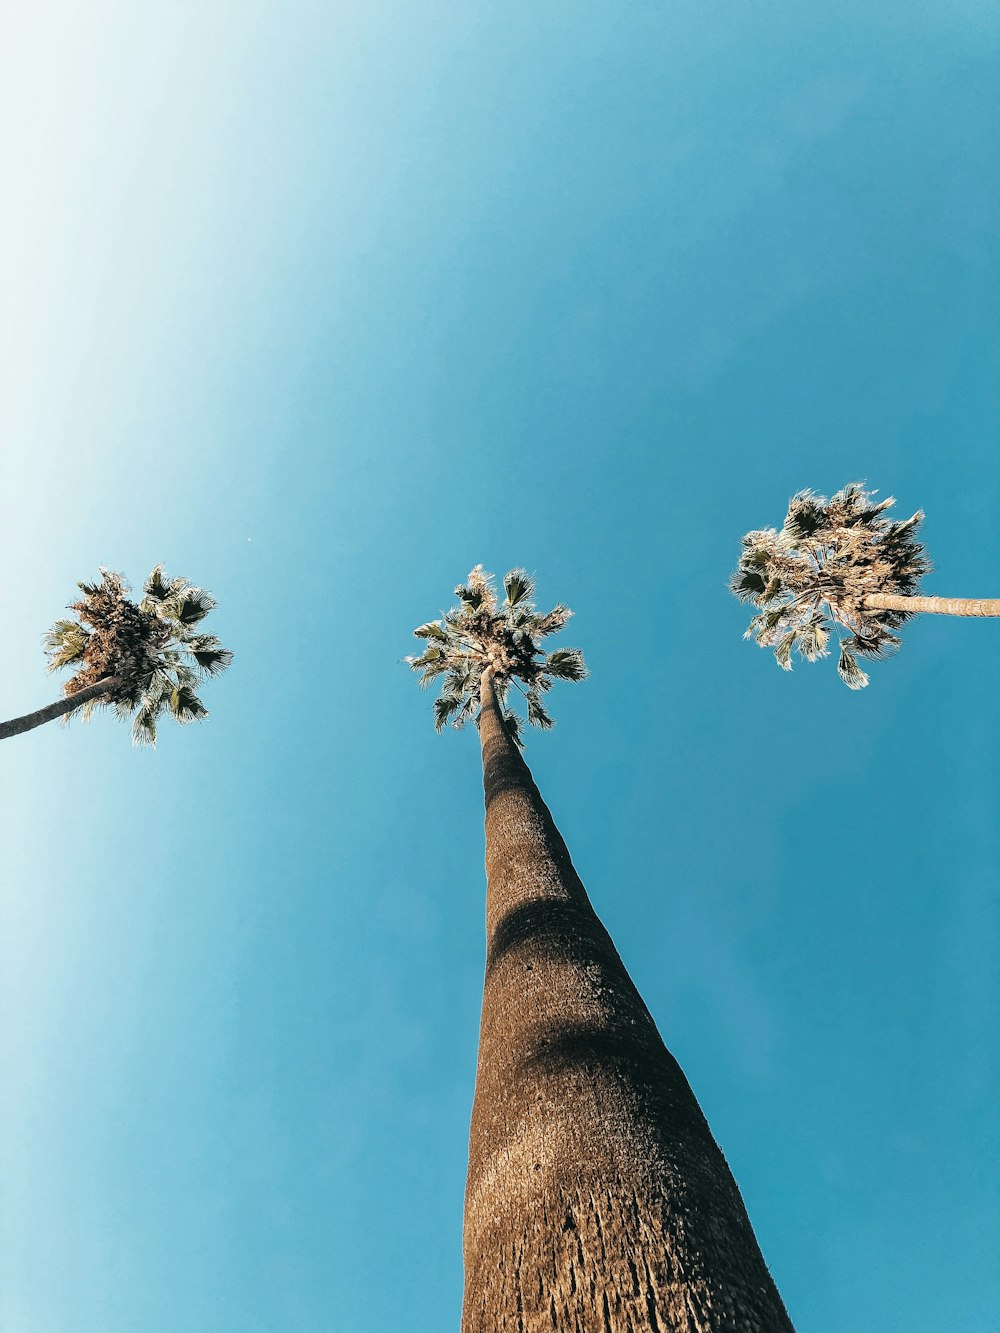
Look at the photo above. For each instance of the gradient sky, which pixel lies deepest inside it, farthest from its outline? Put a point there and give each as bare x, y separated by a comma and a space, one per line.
321, 304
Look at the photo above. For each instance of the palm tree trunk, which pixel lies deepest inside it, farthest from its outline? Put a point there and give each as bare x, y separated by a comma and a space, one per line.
59, 709
939, 606
597, 1200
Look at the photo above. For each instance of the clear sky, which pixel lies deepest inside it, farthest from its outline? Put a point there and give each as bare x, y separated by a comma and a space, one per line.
321, 304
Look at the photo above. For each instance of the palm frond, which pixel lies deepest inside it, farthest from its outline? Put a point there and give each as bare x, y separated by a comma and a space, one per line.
876, 644
813, 637
537, 715
65, 642
157, 587
144, 727
212, 660
185, 706
518, 586
806, 514
553, 622
469, 597
566, 664
188, 607
748, 585
849, 671
432, 630
783, 651
444, 709
513, 724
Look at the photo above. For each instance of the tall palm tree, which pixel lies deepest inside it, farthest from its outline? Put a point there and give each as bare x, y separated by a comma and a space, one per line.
839, 562
141, 659
597, 1199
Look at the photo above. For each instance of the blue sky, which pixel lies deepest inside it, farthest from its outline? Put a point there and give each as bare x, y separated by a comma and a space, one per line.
323, 304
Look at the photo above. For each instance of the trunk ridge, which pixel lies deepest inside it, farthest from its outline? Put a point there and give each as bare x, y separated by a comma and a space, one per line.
60, 708
597, 1200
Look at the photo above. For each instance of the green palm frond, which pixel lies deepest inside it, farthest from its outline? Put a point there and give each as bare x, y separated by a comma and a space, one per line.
748, 584
208, 653
813, 638
566, 664
432, 630
537, 715
518, 586
806, 513
783, 651
65, 642
433, 662
158, 588
188, 607
144, 727
849, 671
445, 708
185, 706
556, 619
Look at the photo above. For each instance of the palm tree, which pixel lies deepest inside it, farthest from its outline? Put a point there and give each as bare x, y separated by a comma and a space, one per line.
839, 562
596, 1198
141, 659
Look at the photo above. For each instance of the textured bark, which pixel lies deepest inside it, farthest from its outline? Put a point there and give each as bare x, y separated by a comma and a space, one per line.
597, 1200
939, 606
59, 709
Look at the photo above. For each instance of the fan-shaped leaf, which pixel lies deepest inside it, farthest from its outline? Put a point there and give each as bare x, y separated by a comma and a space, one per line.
850, 673
783, 652
748, 584
144, 727
157, 587
190, 607
518, 586
432, 630
65, 642
806, 514
552, 623
537, 715
444, 708
566, 664
185, 706
213, 661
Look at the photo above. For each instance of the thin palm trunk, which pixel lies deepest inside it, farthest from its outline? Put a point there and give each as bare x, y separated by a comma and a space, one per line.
597, 1200
938, 606
59, 709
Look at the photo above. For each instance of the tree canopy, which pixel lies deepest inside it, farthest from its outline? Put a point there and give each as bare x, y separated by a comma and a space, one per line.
816, 573
153, 653
480, 632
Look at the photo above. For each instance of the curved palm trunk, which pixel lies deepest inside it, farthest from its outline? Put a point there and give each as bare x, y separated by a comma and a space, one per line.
940, 606
59, 709
597, 1200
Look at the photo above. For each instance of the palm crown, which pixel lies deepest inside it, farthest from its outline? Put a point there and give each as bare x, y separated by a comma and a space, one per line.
818, 571
152, 653
484, 632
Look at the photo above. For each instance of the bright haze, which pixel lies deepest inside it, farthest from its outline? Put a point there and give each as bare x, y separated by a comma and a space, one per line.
323, 304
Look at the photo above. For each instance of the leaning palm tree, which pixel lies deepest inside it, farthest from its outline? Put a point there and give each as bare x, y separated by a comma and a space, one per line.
839, 563
142, 660
597, 1198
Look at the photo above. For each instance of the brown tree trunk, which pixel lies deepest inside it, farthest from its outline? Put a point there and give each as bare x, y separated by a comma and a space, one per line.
59, 709
597, 1200
939, 606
